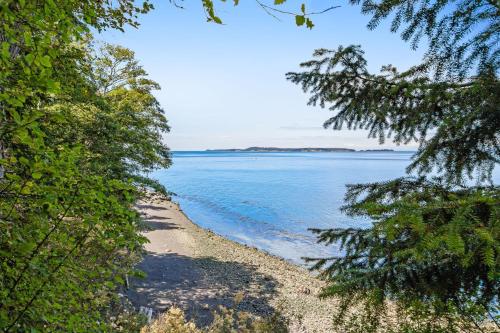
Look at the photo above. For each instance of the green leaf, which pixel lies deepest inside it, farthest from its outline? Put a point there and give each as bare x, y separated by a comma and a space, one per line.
27, 39
36, 175
489, 257
119, 280
309, 23
299, 20
53, 86
15, 115
45, 61
5, 50
24, 160
29, 58
15, 102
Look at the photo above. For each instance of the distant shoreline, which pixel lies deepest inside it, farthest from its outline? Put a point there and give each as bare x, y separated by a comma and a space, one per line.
299, 150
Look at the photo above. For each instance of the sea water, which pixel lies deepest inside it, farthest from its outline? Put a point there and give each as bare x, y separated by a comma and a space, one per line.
270, 200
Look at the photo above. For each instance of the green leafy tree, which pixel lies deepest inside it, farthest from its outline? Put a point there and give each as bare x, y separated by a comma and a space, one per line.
120, 122
434, 246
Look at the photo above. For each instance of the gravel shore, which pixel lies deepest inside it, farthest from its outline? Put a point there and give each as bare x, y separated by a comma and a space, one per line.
198, 270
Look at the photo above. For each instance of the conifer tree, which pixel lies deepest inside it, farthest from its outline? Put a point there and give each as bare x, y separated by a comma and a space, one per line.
434, 245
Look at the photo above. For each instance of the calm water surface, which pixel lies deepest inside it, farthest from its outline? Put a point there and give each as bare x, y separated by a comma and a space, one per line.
269, 200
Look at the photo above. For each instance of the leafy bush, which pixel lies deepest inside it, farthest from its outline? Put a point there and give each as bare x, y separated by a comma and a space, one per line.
225, 321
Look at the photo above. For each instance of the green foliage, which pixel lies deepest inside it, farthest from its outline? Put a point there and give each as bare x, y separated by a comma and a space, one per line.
428, 244
120, 121
431, 258
225, 321
456, 122
76, 137
301, 17
462, 34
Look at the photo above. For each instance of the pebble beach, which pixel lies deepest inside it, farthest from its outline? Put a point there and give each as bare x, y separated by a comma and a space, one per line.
198, 270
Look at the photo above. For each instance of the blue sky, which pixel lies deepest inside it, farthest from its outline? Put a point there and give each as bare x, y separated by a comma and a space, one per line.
223, 86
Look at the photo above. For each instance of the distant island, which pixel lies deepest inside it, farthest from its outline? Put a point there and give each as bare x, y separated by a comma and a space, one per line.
300, 150
375, 150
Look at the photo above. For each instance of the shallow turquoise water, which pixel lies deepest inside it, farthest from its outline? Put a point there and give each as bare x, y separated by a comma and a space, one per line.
269, 200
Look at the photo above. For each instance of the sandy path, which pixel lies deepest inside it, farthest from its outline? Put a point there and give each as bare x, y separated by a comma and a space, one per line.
198, 270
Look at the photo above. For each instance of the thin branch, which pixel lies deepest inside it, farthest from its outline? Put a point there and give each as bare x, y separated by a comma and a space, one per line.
174, 2
266, 9
6, 187
274, 9
323, 11
40, 244
42, 287
492, 317
16, 199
